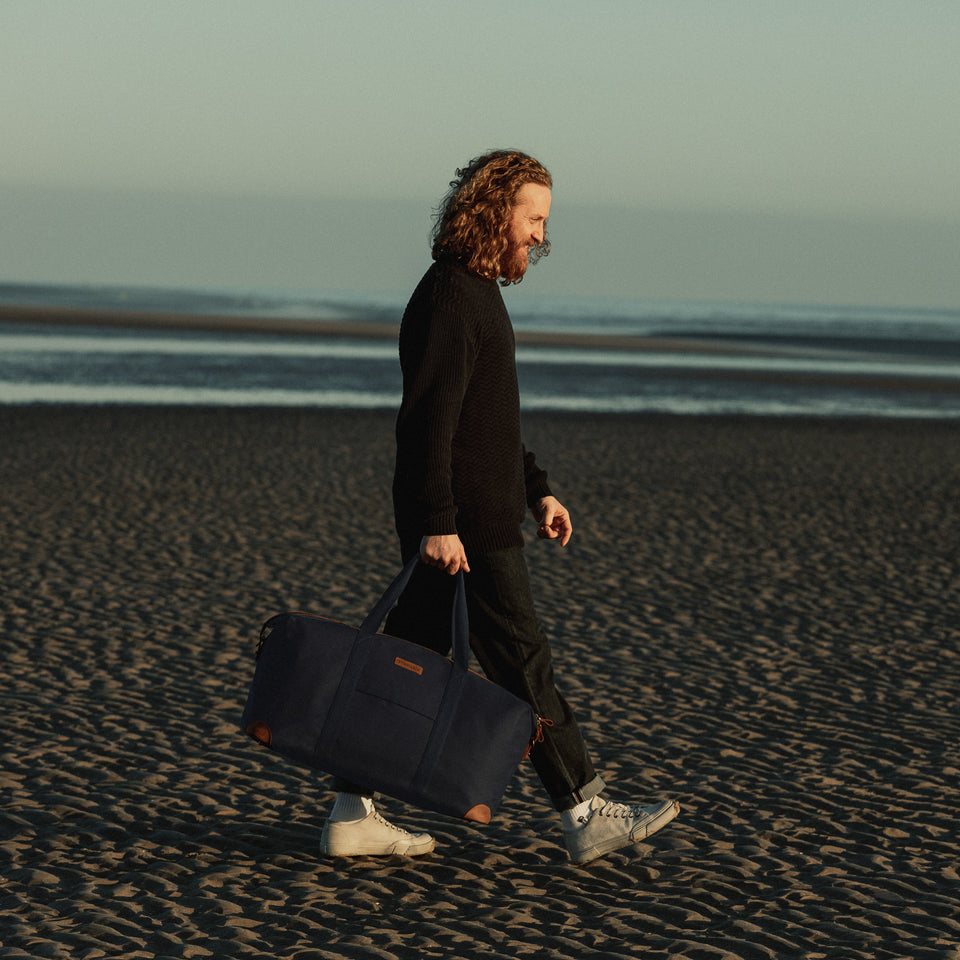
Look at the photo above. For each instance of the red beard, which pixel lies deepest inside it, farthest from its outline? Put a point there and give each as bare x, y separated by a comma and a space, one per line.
515, 262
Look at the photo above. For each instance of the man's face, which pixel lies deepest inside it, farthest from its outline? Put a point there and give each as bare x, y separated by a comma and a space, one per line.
528, 224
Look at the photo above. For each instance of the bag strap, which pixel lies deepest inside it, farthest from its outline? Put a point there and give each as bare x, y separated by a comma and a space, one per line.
459, 622
460, 625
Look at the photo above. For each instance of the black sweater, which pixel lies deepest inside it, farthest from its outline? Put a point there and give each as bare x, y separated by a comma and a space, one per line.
461, 466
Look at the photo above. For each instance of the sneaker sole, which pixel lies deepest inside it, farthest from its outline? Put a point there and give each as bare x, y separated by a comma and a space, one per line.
401, 848
663, 815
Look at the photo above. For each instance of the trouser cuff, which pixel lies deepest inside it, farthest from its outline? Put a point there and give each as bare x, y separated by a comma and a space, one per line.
347, 786
587, 792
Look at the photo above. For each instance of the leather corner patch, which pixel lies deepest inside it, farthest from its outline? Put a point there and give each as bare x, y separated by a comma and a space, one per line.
260, 731
478, 814
407, 665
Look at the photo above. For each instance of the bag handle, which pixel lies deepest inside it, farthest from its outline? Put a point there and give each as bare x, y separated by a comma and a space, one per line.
459, 621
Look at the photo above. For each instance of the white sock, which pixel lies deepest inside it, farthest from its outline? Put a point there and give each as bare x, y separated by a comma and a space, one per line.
570, 819
349, 807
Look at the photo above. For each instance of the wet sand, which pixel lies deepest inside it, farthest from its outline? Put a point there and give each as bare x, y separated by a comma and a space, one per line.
677, 345
759, 617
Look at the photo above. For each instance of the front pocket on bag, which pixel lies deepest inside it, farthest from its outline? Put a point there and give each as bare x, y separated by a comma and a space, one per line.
407, 676
389, 717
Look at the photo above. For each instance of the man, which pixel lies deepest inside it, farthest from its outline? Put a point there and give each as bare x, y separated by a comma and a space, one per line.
462, 482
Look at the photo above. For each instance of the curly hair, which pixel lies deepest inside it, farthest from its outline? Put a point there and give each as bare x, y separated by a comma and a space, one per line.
472, 222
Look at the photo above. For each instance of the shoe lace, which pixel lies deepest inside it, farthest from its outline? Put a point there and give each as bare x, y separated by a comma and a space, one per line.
386, 823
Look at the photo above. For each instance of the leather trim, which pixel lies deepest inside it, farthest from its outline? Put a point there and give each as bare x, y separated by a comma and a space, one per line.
260, 731
478, 814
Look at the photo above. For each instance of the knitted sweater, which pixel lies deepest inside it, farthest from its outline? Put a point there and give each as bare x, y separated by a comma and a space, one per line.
461, 466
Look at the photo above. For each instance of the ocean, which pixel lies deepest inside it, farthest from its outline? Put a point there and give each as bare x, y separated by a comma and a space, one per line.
573, 354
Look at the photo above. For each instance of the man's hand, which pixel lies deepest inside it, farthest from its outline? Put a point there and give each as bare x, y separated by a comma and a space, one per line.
554, 520
444, 552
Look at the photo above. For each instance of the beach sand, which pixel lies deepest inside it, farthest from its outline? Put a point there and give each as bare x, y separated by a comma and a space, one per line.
759, 617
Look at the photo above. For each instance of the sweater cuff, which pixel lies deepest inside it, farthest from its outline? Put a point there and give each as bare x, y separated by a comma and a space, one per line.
539, 488
441, 525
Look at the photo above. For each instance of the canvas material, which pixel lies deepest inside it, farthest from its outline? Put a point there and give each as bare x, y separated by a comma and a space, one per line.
398, 717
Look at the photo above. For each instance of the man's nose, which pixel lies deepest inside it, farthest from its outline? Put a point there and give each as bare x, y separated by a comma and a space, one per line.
538, 234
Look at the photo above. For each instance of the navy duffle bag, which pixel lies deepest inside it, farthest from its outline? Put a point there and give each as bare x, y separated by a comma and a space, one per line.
387, 713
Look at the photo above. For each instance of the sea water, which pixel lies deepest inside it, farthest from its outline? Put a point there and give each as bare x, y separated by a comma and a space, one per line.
704, 358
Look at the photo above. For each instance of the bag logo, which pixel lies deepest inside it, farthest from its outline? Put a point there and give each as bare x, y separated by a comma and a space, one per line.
407, 665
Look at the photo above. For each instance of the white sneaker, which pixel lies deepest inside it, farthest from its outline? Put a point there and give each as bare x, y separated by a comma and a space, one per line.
609, 826
372, 837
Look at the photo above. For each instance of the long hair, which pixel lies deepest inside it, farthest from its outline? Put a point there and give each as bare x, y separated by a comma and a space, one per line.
472, 222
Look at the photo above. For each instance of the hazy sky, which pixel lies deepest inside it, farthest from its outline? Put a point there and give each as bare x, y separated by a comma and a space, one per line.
734, 149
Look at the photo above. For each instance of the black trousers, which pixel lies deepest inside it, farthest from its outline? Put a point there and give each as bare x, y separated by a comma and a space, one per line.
512, 650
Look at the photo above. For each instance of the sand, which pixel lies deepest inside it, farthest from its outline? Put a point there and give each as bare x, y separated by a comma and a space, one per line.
758, 617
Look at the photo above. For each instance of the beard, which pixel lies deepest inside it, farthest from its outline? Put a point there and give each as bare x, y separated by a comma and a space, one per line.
515, 262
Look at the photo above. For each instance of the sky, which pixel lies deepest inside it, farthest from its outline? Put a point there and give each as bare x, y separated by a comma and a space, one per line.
756, 150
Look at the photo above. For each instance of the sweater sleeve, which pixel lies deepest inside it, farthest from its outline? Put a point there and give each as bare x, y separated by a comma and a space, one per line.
437, 353
535, 479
